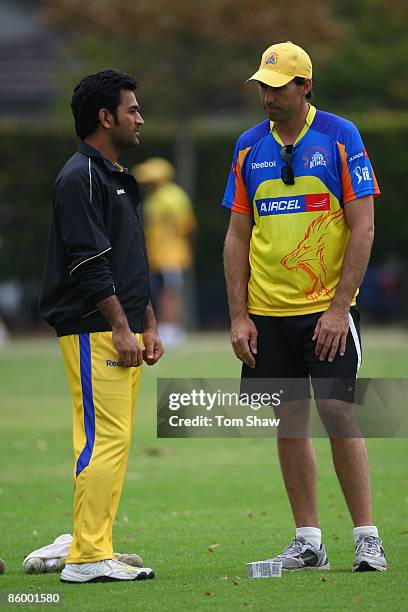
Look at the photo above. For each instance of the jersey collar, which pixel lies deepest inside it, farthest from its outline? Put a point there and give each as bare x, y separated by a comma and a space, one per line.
308, 122
89, 151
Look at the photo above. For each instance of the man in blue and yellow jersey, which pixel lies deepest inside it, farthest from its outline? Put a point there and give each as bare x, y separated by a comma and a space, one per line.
95, 294
301, 194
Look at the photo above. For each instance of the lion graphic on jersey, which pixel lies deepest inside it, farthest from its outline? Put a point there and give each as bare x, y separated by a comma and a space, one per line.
309, 254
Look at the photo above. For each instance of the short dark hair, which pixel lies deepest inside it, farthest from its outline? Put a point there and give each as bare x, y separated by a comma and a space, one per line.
300, 81
96, 91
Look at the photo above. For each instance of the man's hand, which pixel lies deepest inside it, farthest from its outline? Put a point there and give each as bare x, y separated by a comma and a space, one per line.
244, 337
331, 333
127, 346
124, 341
153, 348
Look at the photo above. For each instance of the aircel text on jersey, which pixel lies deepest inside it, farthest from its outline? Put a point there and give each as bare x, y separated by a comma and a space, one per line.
278, 205
264, 164
274, 205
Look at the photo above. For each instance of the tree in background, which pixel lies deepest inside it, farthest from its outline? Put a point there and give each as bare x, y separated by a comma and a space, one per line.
368, 68
190, 57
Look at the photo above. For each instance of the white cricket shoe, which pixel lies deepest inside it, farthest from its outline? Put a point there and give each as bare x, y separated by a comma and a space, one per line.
108, 570
301, 555
369, 555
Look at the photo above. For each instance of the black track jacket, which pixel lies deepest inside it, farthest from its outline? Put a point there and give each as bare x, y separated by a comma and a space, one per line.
95, 246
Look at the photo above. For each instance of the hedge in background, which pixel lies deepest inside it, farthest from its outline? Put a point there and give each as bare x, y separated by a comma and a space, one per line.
34, 158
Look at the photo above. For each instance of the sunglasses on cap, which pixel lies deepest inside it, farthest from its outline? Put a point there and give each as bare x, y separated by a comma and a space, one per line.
287, 175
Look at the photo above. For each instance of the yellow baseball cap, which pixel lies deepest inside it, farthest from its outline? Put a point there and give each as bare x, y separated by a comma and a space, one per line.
281, 63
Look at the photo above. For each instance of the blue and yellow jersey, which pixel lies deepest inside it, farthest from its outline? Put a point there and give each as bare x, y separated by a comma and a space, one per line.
300, 234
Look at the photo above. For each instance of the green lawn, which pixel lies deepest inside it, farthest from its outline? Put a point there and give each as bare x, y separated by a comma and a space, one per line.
182, 496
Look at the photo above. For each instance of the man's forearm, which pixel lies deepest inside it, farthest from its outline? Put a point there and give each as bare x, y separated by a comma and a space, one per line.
236, 265
150, 319
124, 340
113, 312
355, 262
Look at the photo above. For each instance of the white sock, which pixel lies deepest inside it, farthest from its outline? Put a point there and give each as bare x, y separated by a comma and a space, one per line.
313, 535
365, 530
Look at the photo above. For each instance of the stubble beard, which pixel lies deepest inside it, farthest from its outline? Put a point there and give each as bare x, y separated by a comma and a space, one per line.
123, 144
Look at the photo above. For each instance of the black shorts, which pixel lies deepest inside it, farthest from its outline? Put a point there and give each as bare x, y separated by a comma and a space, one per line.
286, 351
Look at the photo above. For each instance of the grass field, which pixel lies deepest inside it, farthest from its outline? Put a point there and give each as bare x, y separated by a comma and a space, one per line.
182, 496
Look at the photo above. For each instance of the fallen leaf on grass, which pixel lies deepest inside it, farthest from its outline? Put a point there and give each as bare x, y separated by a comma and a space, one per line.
247, 604
357, 598
42, 446
156, 451
250, 514
208, 593
213, 547
323, 579
236, 580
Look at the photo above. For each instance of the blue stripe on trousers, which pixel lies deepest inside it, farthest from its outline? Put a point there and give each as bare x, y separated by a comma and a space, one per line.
87, 400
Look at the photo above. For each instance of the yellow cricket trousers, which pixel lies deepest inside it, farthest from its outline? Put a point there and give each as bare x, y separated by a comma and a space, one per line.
103, 400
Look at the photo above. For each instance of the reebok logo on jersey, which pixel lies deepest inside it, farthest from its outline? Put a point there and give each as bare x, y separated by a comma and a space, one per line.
111, 364
120, 191
311, 202
264, 164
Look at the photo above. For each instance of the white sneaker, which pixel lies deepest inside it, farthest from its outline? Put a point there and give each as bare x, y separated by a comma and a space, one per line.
104, 571
369, 555
301, 555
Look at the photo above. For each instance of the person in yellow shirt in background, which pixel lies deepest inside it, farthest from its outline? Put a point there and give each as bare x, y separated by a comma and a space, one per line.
169, 224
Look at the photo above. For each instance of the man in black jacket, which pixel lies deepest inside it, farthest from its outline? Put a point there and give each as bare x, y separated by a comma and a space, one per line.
95, 294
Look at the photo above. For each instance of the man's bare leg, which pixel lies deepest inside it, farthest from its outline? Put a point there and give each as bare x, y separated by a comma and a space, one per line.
349, 457
351, 463
298, 462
